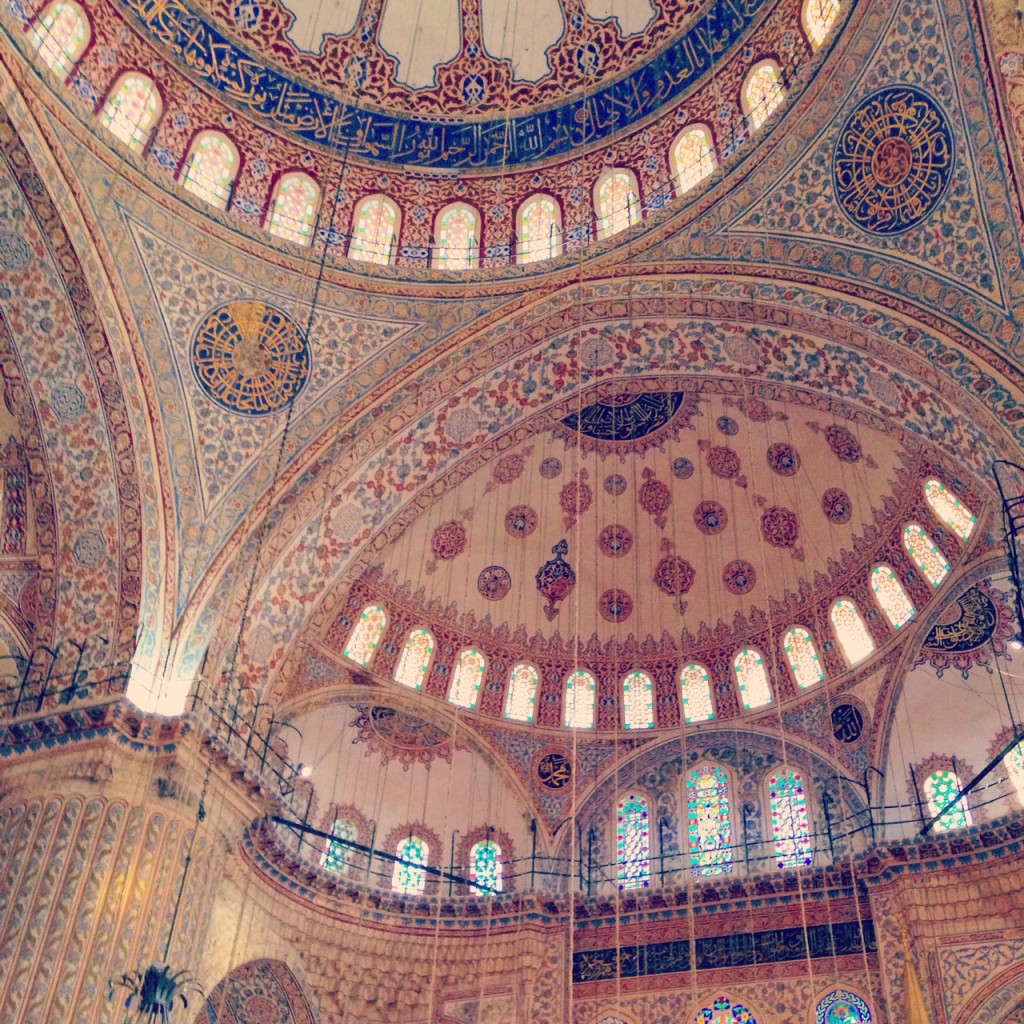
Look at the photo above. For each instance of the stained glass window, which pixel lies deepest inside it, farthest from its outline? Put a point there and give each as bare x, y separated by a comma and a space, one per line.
617, 202
925, 554
415, 660
853, 636
949, 509
803, 658
724, 1011
131, 109
709, 822
790, 826
939, 788
752, 677
374, 231
467, 678
408, 876
540, 229
842, 1007
337, 857
693, 158
819, 16
212, 167
580, 694
633, 842
695, 690
522, 693
61, 35
458, 237
638, 701
762, 93
891, 596
362, 643
485, 867
293, 209
1014, 762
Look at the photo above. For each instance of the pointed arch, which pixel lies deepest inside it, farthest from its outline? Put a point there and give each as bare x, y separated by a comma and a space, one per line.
616, 201
521, 700
271, 979
486, 868
1014, 764
692, 157
637, 701
539, 229
817, 18
132, 108
580, 698
709, 817
752, 677
293, 207
457, 230
791, 826
802, 656
366, 634
375, 226
414, 663
408, 876
854, 639
695, 693
211, 168
891, 596
925, 555
938, 788
633, 841
723, 1010
60, 35
467, 678
949, 509
763, 93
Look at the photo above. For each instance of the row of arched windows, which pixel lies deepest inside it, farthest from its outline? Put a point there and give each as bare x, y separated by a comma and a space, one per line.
133, 107
800, 652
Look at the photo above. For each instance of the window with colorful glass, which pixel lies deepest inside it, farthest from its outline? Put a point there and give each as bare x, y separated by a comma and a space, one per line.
337, 856
638, 701
374, 231
803, 657
633, 842
709, 821
485, 867
724, 1011
408, 876
60, 35
939, 789
790, 825
467, 678
414, 663
293, 208
521, 699
818, 18
949, 509
366, 634
617, 201
695, 692
762, 93
1014, 762
212, 166
580, 697
458, 237
842, 1007
540, 229
131, 109
925, 555
891, 596
692, 157
755, 691
854, 639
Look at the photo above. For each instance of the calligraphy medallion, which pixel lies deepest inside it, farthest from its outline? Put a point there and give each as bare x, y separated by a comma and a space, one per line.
554, 770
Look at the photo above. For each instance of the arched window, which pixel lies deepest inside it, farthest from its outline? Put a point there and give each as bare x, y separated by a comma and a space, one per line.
211, 168
131, 109
752, 678
485, 867
724, 1011
790, 827
891, 596
710, 823
60, 35
818, 18
522, 693
803, 658
762, 93
1014, 762
695, 690
925, 555
293, 208
853, 636
540, 229
638, 701
467, 678
362, 643
580, 694
842, 1007
949, 509
408, 876
939, 788
617, 202
414, 663
633, 842
692, 157
458, 237
374, 231
336, 856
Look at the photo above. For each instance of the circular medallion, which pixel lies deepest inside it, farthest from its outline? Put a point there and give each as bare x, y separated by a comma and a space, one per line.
520, 521
448, 540
615, 605
780, 527
682, 469
494, 583
784, 459
615, 485
554, 770
739, 577
843, 443
67, 403
615, 541
461, 425
674, 576
893, 161
575, 498
836, 506
847, 723
710, 517
723, 462
250, 358
727, 425
509, 468
550, 468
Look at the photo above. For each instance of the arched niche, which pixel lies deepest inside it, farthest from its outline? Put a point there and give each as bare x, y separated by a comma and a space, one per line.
263, 990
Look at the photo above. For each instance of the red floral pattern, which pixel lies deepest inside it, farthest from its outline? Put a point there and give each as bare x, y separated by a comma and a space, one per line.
780, 527
674, 575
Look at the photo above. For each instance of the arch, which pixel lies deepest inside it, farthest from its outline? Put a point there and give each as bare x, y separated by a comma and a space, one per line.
375, 225
692, 157
457, 230
467, 678
337, 857
637, 701
408, 876
539, 229
273, 980
521, 700
818, 18
293, 207
891, 596
211, 168
802, 656
949, 509
414, 663
486, 867
841, 1006
709, 817
1014, 764
695, 693
60, 35
366, 634
762, 93
633, 841
132, 108
580, 697
925, 555
755, 691
616, 201
722, 1010
791, 828
854, 639
938, 788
